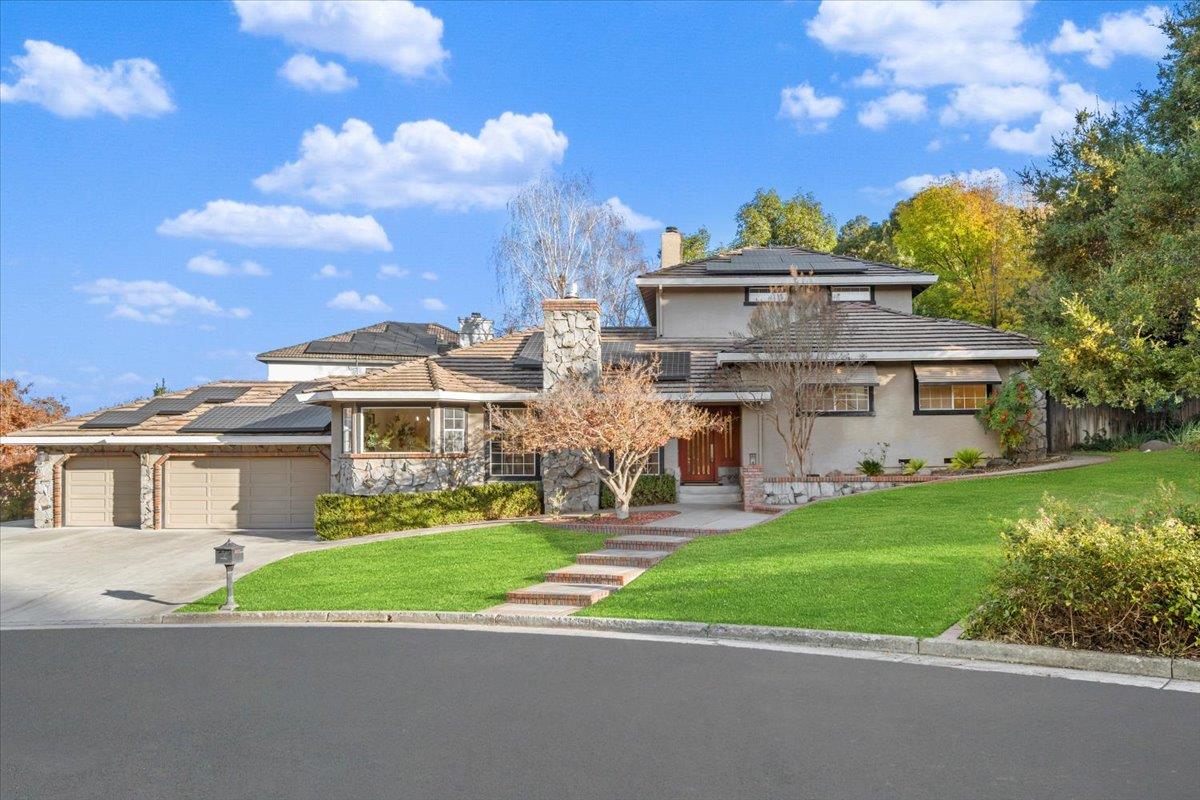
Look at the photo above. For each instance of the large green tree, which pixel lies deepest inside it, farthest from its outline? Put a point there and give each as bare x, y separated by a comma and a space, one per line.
872, 241
797, 222
976, 243
1118, 236
696, 245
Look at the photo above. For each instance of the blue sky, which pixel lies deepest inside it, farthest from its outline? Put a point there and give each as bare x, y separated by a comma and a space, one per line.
180, 189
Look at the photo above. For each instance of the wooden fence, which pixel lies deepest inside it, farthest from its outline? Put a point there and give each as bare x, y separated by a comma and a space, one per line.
1071, 427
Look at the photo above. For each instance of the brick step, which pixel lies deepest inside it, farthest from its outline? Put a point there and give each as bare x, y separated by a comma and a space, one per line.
646, 541
616, 557
598, 574
560, 594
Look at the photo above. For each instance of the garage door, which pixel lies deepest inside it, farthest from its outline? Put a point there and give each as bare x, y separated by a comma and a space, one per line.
101, 491
228, 492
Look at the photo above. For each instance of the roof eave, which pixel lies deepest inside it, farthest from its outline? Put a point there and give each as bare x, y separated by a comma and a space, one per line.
939, 354
913, 279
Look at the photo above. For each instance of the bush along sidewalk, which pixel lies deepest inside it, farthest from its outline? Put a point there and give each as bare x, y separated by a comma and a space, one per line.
1126, 584
650, 490
341, 516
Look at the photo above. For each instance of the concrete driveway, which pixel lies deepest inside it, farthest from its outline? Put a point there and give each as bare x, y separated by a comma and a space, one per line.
79, 574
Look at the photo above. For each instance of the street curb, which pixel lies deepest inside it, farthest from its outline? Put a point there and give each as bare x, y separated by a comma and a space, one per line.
1148, 666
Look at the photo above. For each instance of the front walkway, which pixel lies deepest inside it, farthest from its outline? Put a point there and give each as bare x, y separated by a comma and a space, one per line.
706, 517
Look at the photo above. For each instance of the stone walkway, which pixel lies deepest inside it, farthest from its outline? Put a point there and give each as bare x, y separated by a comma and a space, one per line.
624, 557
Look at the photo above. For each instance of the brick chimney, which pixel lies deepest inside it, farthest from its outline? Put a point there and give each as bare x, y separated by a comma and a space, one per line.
670, 251
570, 346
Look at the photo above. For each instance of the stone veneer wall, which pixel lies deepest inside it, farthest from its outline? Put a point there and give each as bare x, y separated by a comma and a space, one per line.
571, 346
368, 475
49, 459
783, 492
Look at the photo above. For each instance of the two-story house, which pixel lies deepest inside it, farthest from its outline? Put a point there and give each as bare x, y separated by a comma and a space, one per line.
419, 423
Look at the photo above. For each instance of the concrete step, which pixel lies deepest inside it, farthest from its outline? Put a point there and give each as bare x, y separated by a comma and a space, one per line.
710, 495
560, 594
616, 557
598, 574
646, 541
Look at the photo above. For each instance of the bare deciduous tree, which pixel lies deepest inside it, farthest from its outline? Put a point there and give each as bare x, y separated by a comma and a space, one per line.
621, 415
559, 237
800, 368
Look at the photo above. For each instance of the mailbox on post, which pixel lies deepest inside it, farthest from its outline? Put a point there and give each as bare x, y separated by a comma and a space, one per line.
229, 554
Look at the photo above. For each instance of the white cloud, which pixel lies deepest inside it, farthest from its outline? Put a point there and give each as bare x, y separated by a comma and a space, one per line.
978, 102
58, 79
330, 271
351, 300
397, 35
209, 264
277, 226
425, 163
429, 276
433, 304
151, 301
1053, 120
934, 145
127, 378
921, 44
306, 72
255, 269
391, 271
1128, 33
975, 177
631, 219
901, 105
870, 79
802, 104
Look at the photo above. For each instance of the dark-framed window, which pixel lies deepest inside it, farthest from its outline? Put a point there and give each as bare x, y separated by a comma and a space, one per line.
397, 429
846, 400
949, 398
754, 295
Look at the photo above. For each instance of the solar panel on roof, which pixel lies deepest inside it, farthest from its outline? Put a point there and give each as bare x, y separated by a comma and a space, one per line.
779, 261
396, 339
530, 354
261, 419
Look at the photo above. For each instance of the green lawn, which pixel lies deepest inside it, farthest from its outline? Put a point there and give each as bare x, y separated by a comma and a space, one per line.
461, 571
907, 561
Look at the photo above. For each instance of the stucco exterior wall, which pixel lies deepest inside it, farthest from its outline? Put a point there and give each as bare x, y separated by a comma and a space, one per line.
837, 441
722, 311
277, 371
897, 298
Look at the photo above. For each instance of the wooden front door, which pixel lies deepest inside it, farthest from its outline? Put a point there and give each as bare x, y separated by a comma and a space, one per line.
701, 456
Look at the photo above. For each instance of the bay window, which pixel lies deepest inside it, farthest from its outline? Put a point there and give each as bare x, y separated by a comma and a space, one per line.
397, 430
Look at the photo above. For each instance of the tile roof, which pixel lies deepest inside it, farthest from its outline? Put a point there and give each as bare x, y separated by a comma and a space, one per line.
257, 402
872, 328
748, 261
385, 342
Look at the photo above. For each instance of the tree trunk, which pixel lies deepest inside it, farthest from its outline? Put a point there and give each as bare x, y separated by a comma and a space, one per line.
622, 505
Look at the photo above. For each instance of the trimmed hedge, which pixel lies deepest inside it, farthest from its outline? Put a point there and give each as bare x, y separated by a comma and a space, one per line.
650, 490
342, 516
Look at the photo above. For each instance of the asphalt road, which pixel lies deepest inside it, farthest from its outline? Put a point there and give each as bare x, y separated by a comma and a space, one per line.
385, 712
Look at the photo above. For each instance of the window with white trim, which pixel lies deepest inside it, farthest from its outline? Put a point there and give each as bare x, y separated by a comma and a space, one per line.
454, 430
347, 429
764, 294
850, 294
654, 462
951, 396
505, 464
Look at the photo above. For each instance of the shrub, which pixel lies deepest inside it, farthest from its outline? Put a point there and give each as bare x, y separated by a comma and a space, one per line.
1188, 436
341, 516
650, 490
1009, 412
1071, 578
870, 466
967, 458
913, 466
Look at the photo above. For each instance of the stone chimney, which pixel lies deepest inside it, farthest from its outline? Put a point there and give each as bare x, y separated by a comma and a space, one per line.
570, 346
474, 329
670, 251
